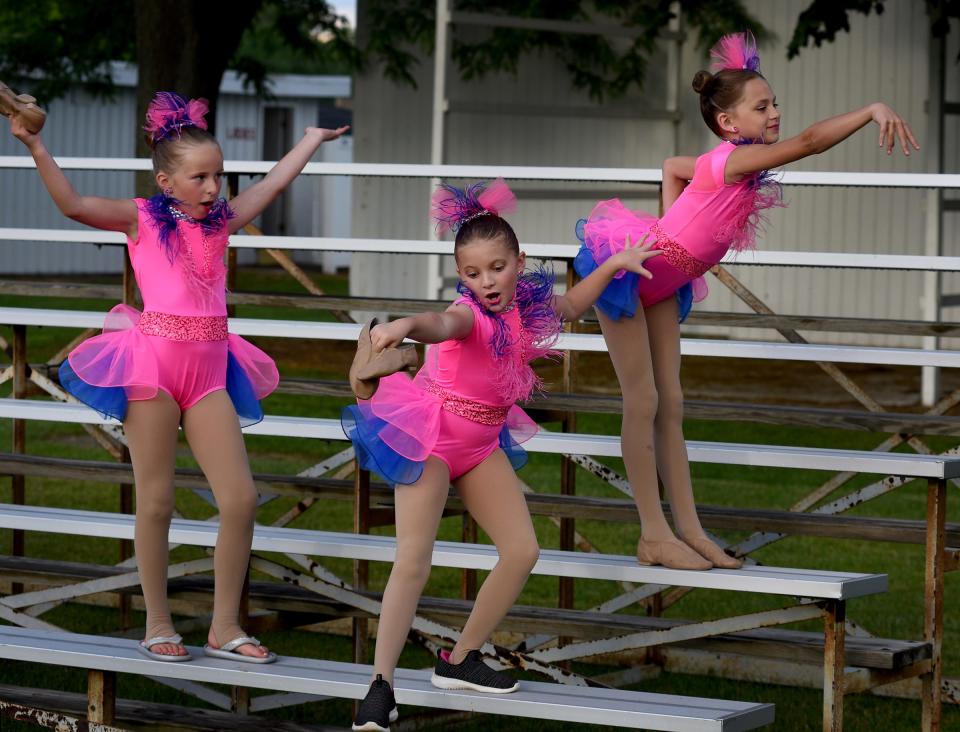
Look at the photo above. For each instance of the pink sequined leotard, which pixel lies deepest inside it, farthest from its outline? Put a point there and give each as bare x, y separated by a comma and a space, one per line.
179, 344
707, 219
460, 407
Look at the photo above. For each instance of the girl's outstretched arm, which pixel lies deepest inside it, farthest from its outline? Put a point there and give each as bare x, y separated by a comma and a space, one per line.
112, 214
581, 297
251, 203
677, 172
821, 136
454, 323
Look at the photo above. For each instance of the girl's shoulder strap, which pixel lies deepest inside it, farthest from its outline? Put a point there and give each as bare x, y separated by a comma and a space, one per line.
718, 161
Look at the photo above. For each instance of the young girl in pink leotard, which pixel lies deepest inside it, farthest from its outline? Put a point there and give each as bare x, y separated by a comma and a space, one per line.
457, 421
175, 364
719, 209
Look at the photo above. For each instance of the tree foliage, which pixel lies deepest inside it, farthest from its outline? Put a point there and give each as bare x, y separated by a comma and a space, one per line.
604, 65
823, 19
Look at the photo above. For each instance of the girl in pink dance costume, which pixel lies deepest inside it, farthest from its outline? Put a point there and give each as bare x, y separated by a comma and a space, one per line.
175, 364
720, 209
457, 421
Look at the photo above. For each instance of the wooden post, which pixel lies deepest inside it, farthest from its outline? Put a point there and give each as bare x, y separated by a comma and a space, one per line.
568, 475
361, 567
834, 618
933, 602
101, 697
240, 695
18, 482
468, 577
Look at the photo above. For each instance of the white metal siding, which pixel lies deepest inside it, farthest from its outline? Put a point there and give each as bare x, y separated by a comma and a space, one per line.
882, 58
79, 125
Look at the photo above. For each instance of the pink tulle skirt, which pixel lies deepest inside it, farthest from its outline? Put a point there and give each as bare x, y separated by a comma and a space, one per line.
606, 232
404, 424
124, 364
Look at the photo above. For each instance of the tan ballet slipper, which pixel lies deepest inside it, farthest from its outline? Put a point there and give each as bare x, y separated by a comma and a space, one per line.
714, 554
671, 553
370, 365
23, 106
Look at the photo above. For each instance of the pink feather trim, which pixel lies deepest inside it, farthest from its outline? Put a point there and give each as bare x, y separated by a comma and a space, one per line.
737, 51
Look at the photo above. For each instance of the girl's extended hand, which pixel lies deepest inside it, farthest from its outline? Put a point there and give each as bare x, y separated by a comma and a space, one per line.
387, 335
324, 134
633, 257
892, 128
19, 131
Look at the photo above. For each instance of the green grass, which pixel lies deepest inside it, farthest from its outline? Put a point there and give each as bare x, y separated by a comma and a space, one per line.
897, 614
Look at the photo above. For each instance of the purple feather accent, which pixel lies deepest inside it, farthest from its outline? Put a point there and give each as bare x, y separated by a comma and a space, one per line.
452, 207
160, 210
541, 327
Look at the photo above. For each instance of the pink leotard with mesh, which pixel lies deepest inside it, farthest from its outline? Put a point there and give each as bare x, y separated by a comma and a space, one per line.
179, 344
707, 219
451, 409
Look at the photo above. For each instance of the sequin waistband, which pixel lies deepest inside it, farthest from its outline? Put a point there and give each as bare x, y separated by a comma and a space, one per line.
467, 408
184, 327
677, 256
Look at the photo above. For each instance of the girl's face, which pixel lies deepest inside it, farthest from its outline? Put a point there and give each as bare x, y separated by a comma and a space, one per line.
755, 117
489, 269
196, 181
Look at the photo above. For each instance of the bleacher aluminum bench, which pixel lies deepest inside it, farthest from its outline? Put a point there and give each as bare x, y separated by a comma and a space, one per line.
935, 469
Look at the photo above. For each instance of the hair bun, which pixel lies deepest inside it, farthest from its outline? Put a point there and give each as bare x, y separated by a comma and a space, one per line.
700, 81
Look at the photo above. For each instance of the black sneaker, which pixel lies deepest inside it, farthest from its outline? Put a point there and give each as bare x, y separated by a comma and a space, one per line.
471, 673
378, 708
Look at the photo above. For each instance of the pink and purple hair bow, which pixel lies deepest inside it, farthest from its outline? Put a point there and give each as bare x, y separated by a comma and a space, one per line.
735, 52
169, 113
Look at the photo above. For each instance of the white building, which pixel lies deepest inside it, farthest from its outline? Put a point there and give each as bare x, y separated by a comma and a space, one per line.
537, 118
249, 128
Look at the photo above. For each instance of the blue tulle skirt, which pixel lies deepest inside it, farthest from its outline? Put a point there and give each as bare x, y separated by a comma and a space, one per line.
619, 299
373, 454
111, 401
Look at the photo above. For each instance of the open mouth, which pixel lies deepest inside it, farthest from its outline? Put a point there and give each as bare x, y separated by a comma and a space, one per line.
492, 298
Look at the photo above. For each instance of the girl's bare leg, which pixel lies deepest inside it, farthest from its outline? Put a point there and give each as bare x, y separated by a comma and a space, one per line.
671, 448
151, 430
213, 432
629, 345
418, 508
491, 493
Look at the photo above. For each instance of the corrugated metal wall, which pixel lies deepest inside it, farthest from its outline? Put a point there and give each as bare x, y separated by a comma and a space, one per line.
885, 58
882, 58
79, 125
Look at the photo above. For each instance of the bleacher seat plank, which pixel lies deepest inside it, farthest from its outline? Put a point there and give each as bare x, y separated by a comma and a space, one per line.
861, 651
315, 330
769, 456
811, 583
346, 680
907, 531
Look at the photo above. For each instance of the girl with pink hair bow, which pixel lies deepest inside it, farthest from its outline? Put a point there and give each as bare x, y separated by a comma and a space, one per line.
174, 364
712, 203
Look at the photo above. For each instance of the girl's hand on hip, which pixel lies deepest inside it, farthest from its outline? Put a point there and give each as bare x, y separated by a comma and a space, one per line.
634, 255
893, 128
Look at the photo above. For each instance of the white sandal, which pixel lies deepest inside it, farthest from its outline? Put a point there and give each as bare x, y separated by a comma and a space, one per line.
144, 647
229, 651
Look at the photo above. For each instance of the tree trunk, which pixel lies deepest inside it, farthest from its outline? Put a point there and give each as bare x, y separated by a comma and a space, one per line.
185, 46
